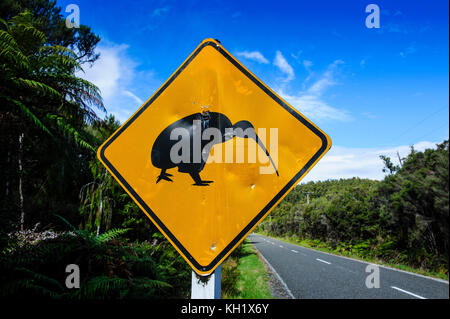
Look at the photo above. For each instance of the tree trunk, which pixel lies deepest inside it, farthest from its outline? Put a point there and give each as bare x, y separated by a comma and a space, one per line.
22, 211
100, 211
8, 161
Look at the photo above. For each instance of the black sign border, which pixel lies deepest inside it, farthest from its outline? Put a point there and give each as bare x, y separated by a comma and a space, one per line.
269, 206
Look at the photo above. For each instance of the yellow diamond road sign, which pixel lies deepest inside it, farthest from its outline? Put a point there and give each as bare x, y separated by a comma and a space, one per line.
189, 159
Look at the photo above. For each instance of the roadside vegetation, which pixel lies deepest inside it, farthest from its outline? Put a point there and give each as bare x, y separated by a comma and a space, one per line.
244, 275
401, 221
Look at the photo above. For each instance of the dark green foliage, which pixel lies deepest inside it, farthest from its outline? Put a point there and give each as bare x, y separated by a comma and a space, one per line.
417, 195
103, 202
44, 111
49, 134
402, 219
230, 272
110, 268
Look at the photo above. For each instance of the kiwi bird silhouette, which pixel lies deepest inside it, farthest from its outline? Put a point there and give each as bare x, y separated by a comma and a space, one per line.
196, 124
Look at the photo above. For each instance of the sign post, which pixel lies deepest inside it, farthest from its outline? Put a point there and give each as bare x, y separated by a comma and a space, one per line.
207, 287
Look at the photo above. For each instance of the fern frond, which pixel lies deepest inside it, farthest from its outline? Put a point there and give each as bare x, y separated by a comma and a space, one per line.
66, 222
69, 130
28, 113
58, 49
35, 33
44, 88
3, 23
146, 282
17, 287
40, 278
7, 38
9, 50
102, 286
58, 61
112, 234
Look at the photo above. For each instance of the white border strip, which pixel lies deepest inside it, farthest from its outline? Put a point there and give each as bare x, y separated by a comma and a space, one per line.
323, 261
407, 292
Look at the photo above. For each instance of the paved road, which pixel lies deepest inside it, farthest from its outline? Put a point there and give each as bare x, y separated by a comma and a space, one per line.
312, 274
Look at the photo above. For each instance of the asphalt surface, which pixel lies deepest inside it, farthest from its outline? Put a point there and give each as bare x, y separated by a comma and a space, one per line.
312, 274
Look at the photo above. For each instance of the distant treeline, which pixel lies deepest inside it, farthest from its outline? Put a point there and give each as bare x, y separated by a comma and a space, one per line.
401, 219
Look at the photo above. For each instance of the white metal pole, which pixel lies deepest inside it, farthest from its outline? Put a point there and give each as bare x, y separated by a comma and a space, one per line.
207, 287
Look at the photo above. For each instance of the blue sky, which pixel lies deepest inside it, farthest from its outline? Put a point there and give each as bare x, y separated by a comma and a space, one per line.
373, 91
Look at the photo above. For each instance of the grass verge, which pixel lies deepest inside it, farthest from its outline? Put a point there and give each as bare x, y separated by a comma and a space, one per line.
244, 275
323, 247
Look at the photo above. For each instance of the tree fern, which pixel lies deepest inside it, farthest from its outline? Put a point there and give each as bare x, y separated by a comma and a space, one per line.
28, 64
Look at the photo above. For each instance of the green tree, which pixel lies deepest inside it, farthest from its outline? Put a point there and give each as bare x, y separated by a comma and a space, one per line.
50, 21
44, 109
417, 196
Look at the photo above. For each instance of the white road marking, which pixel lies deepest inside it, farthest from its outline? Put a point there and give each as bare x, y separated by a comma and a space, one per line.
294, 251
281, 246
323, 261
407, 292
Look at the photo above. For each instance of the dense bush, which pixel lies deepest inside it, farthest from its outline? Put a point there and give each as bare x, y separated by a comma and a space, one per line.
34, 266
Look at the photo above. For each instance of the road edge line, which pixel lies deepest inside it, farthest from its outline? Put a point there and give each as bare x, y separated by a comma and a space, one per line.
408, 292
275, 273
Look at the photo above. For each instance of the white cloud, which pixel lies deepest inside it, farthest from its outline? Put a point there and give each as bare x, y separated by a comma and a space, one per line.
284, 66
106, 71
314, 108
115, 74
307, 64
158, 12
253, 55
321, 85
409, 50
345, 162
310, 101
296, 56
326, 80
130, 94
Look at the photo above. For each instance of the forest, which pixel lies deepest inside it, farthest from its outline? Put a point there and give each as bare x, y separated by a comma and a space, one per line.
60, 206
